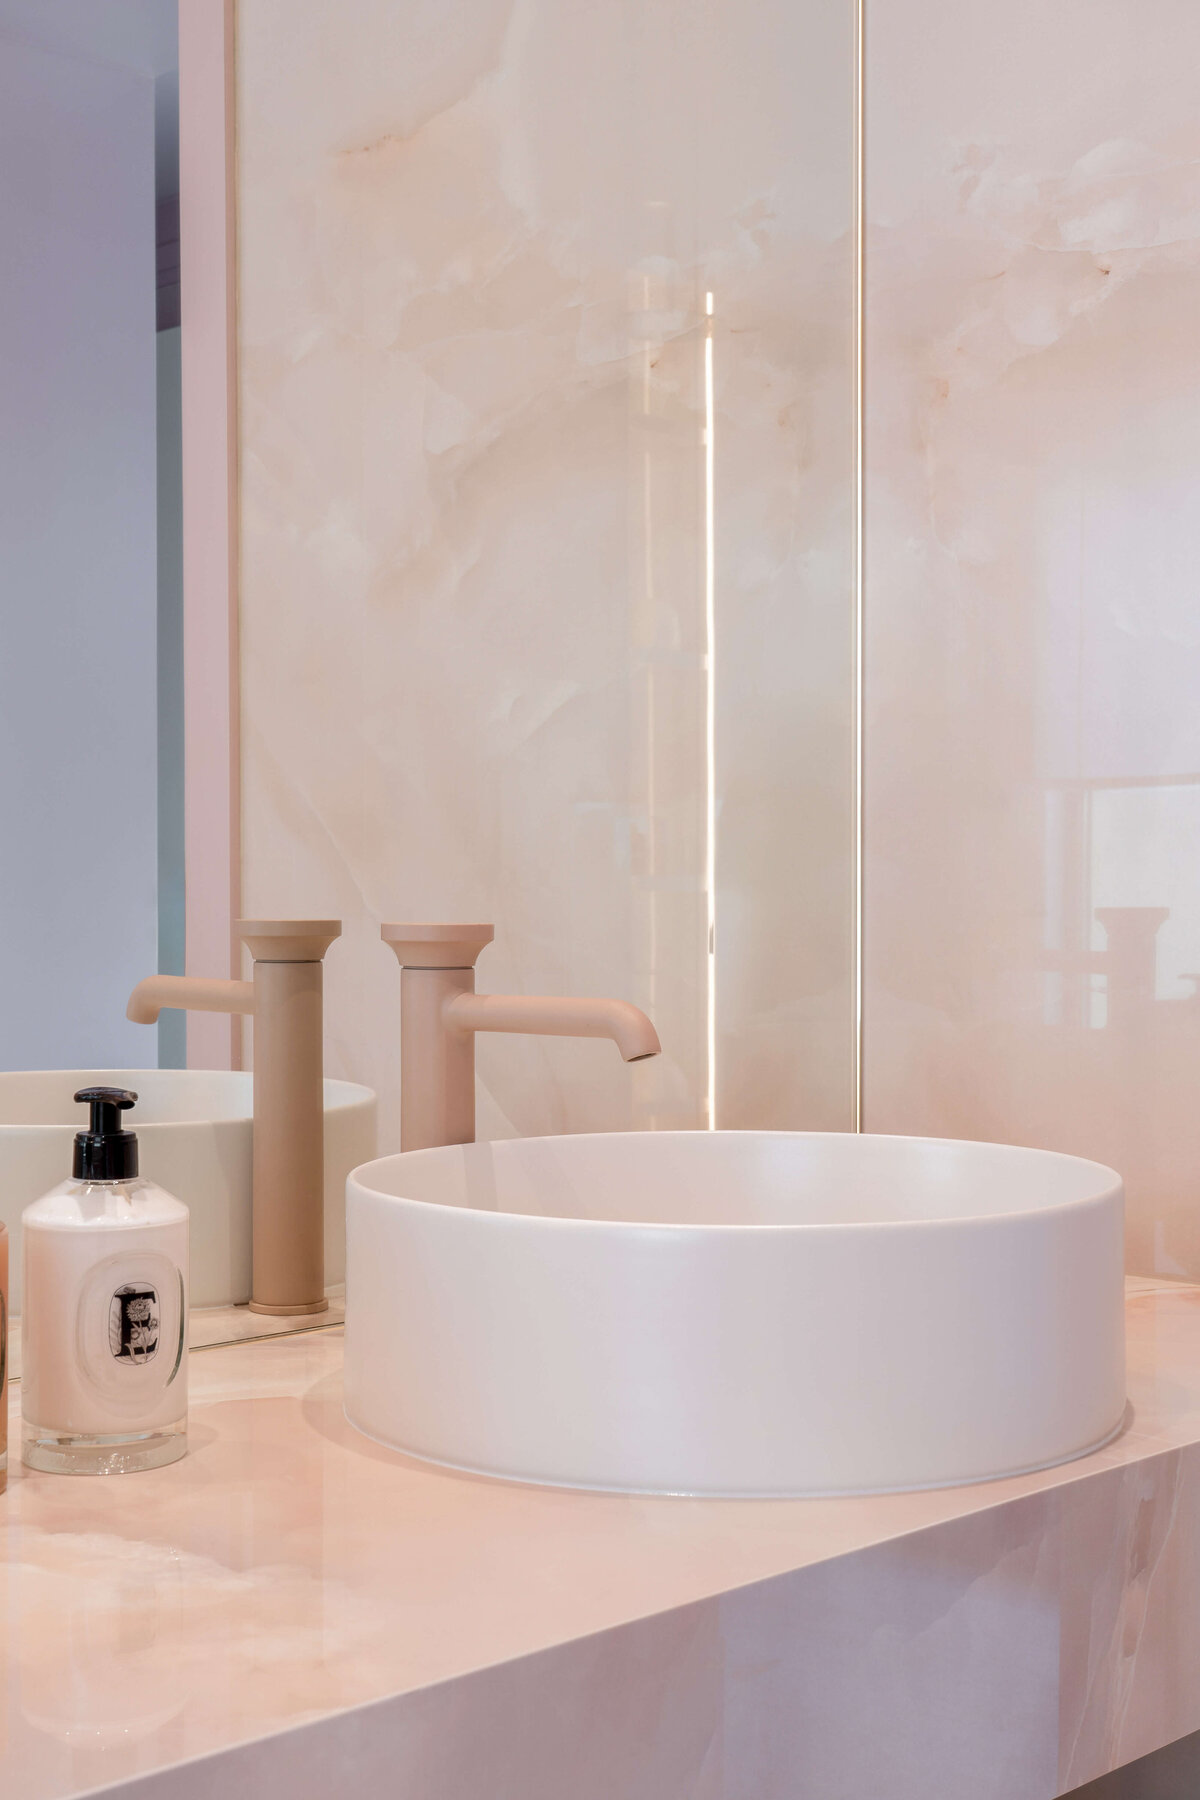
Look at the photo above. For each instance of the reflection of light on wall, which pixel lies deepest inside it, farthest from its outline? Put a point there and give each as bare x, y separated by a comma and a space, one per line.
1054, 907
710, 672
1122, 897
1145, 852
651, 695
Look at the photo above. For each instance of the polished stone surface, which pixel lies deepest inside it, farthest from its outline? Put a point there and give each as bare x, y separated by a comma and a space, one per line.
472, 332
401, 1624
1032, 647
476, 245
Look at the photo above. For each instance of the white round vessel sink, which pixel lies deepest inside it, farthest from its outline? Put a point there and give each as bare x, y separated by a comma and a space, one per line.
736, 1313
194, 1136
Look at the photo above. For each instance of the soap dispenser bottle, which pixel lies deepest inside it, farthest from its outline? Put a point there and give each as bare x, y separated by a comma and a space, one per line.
104, 1313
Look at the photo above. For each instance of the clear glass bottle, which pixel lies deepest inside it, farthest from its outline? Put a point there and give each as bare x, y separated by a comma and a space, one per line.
104, 1310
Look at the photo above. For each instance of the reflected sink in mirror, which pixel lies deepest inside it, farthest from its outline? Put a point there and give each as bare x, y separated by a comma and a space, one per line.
736, 1313
194, 1138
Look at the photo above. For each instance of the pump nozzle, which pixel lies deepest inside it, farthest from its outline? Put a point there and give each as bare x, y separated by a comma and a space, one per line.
104, 1152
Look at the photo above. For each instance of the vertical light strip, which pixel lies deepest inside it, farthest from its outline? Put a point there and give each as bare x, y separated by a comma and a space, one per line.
651, 638
710, 674
860, 417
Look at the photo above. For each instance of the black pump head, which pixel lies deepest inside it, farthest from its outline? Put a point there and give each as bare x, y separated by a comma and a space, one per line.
104, 1152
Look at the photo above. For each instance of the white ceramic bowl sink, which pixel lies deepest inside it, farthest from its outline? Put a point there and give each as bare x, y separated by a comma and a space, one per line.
749, 1313
194, 1134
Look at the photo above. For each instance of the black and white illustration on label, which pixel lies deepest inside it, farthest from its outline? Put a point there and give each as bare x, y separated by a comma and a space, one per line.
133, 1322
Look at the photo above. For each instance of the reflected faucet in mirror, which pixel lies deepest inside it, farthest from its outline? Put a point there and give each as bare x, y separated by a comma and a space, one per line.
1128, 962
287, 1179
1131, 958
440, 1012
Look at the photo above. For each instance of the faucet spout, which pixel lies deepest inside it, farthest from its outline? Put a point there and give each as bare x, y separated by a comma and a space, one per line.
549, 1016
191, 993
440, 1013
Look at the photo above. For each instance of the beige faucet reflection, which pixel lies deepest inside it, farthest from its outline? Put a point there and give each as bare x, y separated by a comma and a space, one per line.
288, 1168
1128, 962
440, 1012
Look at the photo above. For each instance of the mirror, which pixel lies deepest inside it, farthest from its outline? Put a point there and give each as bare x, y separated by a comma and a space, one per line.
92, 710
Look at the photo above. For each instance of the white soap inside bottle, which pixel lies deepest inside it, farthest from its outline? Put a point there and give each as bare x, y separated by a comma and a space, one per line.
104, 1313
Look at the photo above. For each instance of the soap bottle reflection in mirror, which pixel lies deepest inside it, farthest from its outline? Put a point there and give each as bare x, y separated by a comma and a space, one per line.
104, 1315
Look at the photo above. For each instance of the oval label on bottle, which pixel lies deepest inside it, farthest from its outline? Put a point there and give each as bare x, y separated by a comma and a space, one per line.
133, 1317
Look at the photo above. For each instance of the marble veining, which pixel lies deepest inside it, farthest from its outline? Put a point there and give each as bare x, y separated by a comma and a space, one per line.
1032, 656
294, 1609
473, 292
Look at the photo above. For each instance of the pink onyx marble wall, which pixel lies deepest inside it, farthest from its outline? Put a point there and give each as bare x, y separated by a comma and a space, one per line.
1032, 875
476, 246
475, 252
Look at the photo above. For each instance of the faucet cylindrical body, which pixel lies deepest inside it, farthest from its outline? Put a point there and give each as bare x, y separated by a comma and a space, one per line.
288, 1233
288, 1242
437, 1066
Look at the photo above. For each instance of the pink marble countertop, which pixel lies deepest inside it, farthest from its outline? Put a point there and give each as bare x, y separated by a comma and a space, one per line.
288, 1570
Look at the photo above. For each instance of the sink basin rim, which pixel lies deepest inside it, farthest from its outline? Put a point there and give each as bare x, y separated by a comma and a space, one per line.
795, 1356
339, 1096
196, 1129
1108, 1184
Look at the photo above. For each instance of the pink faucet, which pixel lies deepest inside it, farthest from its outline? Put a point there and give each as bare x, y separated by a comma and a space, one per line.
440, 1012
